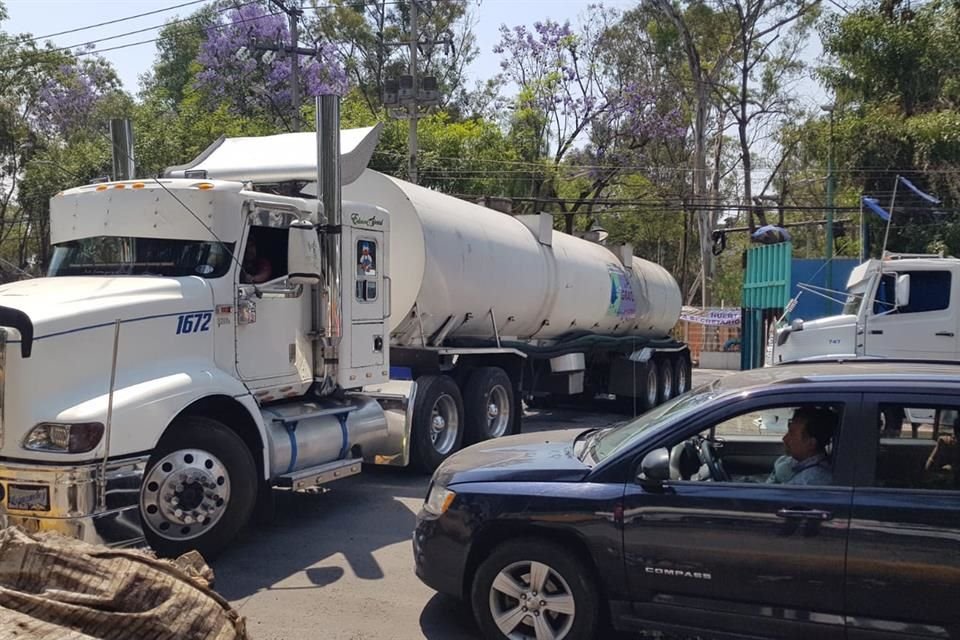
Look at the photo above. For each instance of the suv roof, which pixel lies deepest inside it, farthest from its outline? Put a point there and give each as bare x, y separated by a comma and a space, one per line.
841, 372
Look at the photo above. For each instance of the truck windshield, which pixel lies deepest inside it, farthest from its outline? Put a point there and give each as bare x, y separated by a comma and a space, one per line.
854, 299
110, 255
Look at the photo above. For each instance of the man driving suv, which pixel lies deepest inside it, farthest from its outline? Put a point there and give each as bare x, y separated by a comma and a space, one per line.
806, 461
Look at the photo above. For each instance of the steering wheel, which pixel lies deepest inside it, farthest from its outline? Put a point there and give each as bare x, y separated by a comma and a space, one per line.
709, 457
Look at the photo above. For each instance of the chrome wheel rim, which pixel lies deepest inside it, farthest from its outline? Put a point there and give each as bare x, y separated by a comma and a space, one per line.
498, 411
530, 600
185, 494
444, 424
681, 379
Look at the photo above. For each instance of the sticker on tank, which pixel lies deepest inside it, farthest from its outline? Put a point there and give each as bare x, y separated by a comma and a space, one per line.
622, 302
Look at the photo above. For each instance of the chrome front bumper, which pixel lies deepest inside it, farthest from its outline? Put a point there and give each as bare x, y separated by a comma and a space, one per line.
73, 508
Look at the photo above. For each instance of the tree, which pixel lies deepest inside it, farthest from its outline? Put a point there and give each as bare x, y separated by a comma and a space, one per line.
371, 37
572, 92
250, 86
895, 75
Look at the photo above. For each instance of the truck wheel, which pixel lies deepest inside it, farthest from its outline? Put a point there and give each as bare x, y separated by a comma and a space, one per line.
199, 489
535, 589
488, 405
682, 374
665, 390
437, 421
650, 388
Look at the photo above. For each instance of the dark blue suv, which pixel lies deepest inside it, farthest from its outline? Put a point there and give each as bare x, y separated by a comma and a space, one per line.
704, 517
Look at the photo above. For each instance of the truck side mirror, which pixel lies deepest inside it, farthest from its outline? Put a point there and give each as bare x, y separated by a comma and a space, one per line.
303, 253
902, 294
655, 469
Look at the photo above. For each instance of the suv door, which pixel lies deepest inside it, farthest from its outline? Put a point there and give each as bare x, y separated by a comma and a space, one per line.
903, 565
746, 558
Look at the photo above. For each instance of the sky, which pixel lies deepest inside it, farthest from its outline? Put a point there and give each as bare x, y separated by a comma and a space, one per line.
43, 17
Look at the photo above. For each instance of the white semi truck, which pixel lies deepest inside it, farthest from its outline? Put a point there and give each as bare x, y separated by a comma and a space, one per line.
904, 306
150, 389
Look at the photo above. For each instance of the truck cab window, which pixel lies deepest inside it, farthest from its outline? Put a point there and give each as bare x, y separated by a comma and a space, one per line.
265, 254
929, 291
125, 256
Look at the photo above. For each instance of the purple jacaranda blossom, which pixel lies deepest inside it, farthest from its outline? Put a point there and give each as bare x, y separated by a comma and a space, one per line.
67, 102
240, 81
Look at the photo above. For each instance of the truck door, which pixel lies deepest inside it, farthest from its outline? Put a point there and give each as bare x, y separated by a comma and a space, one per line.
272, 346
925, 328
367, 302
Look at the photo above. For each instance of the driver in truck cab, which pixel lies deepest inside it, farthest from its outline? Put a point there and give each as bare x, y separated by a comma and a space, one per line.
256, 269
806, 460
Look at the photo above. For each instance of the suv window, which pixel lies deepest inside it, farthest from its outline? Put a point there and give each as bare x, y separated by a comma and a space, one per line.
918, 447
788, 444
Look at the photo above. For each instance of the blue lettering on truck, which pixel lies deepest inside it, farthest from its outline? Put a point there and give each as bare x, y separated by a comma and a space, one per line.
193, 322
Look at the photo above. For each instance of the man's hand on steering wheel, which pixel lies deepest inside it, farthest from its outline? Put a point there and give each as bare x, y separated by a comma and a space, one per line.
709, 457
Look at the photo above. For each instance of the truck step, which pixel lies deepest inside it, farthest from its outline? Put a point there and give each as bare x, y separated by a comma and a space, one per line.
319, 475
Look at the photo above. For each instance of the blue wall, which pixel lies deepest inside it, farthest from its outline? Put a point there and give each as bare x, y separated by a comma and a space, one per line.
810, 305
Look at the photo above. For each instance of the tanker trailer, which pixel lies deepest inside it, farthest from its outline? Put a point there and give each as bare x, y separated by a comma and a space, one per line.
485, 309
589, 320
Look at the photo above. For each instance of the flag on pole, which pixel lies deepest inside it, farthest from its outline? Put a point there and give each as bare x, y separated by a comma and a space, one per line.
912, 187
874, 206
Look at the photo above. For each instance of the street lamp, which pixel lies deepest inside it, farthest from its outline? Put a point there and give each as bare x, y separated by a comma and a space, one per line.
829, 108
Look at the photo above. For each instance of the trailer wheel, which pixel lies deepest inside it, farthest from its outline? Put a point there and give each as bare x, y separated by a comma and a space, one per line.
651, 386
488, 405
199, 489
682, 374
437, 429
665, 388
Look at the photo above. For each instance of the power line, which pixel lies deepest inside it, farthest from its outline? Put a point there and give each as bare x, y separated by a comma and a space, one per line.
159, 26
140, 42
115, 21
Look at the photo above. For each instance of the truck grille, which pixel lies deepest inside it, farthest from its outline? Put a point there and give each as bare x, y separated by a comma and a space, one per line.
3, 376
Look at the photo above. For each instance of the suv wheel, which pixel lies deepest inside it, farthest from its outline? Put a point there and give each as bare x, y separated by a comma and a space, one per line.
534, 590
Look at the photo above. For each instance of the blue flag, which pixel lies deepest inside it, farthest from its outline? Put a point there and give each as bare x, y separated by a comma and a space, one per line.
874, 206
912, 187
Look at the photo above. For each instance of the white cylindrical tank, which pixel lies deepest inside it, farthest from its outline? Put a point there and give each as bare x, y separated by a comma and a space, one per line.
453, 261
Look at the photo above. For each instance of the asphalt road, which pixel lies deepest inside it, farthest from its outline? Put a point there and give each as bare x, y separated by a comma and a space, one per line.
339, 565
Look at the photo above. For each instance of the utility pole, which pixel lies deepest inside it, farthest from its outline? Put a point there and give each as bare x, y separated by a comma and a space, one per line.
829, 108
293, 14
413, 109
412, 91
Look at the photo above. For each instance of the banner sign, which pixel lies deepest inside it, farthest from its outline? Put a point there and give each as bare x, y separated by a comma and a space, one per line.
712, 317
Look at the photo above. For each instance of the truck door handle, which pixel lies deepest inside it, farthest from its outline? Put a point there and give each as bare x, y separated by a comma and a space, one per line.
876, 332
948, 334
804, 514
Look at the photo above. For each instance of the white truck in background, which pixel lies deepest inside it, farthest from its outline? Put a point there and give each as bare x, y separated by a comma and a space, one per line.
147, 391
904, 306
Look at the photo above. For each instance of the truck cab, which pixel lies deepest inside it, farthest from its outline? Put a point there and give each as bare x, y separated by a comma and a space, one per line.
904, 306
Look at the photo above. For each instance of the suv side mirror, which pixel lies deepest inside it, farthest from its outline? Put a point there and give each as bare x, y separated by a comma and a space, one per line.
655, 469
902, 294
303, 253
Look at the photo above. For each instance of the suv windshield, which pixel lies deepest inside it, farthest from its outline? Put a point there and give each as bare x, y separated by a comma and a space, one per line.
109, 255
609, 441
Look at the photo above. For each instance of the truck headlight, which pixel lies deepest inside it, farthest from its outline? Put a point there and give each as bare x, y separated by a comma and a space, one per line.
64, 438
438, 500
